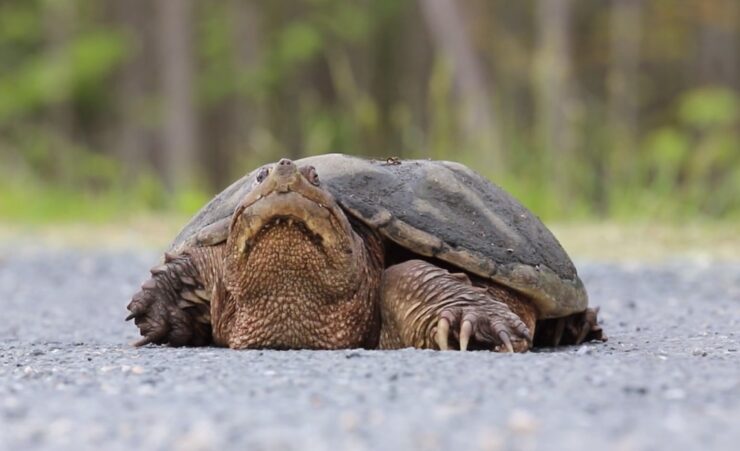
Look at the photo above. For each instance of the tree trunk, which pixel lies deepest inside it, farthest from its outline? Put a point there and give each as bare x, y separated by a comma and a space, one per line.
718, 59
58, 27
411, 115
132, 142
554, 97
450, 36
625, 34
179, 110
228, 121
246, 116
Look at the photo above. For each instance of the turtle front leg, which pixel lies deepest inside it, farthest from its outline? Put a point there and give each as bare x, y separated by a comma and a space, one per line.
425, 306
173, 306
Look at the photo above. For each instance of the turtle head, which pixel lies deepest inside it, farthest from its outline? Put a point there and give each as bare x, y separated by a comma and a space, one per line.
296, 273
293, 197
289, 224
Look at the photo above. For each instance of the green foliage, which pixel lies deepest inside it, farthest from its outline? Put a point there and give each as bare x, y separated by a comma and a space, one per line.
43, 80
695, 161
298, 42
709, 107
361, 77
94, 190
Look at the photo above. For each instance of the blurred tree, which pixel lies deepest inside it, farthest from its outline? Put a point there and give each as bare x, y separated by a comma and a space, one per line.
58, 29
448, 29
718, 59
556, 102
621, 108
623, 88
180, 131
133, 85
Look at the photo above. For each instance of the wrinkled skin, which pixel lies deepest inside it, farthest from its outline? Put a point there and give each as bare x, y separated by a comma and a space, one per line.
294, 272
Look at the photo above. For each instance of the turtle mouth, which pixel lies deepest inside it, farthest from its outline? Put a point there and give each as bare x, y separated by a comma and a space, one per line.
320, 223
287, 221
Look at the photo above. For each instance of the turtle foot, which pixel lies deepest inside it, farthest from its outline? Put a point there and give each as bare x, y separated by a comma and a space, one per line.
492, 326
428, 307
171, 307
585, 326
570, 330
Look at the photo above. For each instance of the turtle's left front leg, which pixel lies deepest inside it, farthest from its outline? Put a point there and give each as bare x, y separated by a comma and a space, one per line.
425, 306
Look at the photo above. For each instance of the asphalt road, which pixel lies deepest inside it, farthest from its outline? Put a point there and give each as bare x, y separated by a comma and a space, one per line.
669, 377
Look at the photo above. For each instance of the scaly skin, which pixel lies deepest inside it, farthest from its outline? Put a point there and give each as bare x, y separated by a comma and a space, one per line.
425, 306
287, 293
294, 273
173, 306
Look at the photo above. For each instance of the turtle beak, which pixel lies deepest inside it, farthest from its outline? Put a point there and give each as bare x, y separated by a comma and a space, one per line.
286, 193
284, 175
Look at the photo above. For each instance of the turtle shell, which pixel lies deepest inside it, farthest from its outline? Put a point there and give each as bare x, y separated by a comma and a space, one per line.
437, 209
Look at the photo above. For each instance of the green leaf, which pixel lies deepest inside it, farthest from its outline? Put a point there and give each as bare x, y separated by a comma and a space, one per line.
299, 42
709, 107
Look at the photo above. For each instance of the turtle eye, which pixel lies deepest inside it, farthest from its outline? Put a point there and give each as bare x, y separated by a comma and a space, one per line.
313, 176
262, 175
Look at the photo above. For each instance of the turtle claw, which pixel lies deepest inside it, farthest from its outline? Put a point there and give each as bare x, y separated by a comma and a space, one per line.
492, 327
506, 341
466, 331
143, 342
589, 327
169, 308
443, 332
155, 336
427, 307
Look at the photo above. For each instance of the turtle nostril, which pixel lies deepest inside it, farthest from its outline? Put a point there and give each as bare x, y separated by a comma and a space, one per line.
285, 169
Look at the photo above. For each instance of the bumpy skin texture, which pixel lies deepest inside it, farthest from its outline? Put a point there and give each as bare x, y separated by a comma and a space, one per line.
173, 306
293, 273
438, 210
289, 294
425, 306
289, 270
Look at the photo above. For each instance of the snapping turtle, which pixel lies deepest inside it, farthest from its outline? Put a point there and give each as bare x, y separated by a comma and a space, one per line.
374, 254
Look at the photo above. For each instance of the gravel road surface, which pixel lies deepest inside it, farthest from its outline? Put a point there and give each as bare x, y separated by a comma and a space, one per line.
668, 378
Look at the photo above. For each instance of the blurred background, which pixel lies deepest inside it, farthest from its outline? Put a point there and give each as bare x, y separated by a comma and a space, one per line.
585, 110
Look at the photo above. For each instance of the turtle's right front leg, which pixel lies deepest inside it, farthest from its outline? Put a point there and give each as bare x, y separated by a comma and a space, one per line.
173, 306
